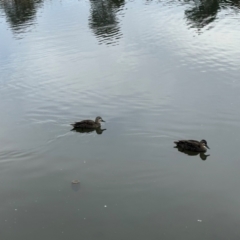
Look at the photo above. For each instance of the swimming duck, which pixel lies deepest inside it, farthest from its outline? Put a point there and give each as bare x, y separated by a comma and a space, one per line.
89, 124
192, 145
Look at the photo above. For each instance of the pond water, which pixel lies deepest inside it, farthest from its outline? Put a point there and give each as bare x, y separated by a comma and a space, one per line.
156, 72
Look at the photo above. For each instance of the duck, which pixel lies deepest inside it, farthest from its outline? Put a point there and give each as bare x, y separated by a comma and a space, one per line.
88, 124
192, 145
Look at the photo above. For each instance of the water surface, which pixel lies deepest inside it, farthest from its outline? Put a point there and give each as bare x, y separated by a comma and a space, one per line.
156, 71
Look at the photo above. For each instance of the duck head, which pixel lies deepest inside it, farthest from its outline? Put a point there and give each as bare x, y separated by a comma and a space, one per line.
204, 143
99, 119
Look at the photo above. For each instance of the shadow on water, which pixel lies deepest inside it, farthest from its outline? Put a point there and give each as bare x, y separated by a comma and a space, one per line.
204, 12
84, 130
104, 21
20, 14
202, 155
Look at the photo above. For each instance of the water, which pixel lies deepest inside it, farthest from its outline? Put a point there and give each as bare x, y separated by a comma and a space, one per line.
156, 71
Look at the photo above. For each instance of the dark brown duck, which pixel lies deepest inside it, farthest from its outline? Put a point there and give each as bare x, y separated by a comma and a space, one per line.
89, 124
192, 145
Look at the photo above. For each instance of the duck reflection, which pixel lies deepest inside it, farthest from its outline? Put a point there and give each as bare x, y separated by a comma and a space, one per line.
86, 130
103, 20
20, 13
202, 155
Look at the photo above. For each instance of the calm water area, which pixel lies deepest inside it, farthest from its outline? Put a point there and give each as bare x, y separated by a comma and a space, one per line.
156, 72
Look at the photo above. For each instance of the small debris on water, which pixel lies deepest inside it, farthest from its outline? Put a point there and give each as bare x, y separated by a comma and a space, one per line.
199, 220
105, 205
75, 182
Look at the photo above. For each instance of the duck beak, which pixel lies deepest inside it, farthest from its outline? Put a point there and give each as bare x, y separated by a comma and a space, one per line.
207, 146
102, 120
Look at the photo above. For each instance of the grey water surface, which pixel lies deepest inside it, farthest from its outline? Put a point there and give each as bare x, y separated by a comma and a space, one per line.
156, 72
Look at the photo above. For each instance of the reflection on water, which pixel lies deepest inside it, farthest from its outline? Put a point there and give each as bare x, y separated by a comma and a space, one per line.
104, 17
84, 130
104, 21
20, 14
202, 155
204, 12
75, 187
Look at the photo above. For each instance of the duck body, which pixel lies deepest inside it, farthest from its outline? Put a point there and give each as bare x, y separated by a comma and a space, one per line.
192, 145
88, 124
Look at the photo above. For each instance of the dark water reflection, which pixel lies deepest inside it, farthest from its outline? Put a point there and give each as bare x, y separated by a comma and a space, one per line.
203, 12
105, 20
20, 14
106, 15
